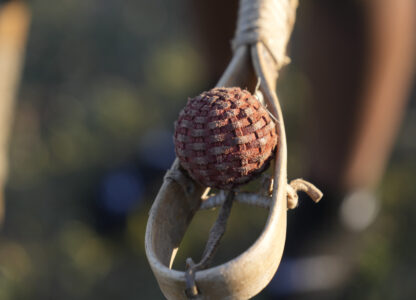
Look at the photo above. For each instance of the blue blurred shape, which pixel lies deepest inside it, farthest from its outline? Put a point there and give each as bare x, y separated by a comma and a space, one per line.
156, 149
309, 274
121, 191
283, 283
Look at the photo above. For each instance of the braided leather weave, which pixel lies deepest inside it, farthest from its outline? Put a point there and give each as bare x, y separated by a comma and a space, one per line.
224, 137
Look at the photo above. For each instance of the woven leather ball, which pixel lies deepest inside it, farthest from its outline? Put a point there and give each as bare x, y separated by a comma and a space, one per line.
224, 137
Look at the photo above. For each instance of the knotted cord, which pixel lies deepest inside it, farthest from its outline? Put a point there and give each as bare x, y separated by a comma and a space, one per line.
269, 22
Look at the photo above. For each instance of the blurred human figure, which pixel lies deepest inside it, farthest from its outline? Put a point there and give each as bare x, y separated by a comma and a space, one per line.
359, 58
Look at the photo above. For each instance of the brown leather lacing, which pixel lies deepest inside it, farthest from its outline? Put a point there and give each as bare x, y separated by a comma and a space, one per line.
225, 200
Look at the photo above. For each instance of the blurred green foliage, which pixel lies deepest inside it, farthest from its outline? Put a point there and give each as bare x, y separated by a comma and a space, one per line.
97, 76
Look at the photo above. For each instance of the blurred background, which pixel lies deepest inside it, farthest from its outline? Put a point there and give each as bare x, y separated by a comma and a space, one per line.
91, 138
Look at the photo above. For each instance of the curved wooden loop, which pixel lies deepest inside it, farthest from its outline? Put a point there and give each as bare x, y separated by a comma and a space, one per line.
176, 203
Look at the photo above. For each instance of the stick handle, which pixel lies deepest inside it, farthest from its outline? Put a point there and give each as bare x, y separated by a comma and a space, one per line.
269, 22
14, 25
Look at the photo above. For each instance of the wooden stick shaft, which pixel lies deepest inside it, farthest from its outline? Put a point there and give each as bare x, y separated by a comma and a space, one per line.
14, 24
